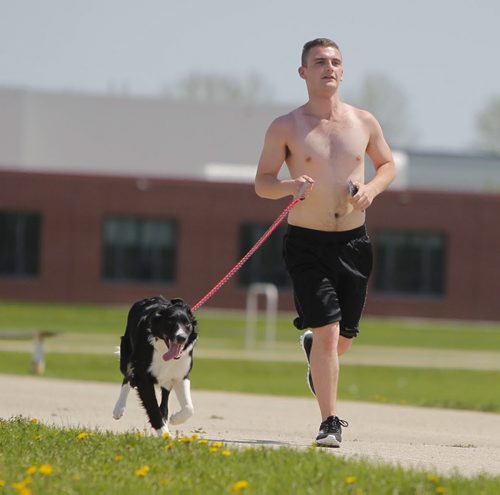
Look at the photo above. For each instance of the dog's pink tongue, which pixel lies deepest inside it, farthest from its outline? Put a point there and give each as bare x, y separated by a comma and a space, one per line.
174, 352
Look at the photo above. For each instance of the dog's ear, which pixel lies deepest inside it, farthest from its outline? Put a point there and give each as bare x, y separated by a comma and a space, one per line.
181, 304
178, 302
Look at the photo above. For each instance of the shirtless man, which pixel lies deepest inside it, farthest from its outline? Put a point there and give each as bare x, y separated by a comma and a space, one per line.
326, 249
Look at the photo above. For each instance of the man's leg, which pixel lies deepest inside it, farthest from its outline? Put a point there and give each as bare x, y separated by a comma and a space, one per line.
323, 346
306, 341
344, 345
324, 363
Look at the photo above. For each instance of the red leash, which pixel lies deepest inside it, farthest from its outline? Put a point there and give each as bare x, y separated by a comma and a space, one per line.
257, 245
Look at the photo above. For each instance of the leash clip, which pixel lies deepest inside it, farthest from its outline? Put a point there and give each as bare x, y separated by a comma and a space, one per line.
300, 194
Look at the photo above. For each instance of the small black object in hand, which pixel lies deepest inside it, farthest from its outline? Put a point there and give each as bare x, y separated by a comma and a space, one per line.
353, 189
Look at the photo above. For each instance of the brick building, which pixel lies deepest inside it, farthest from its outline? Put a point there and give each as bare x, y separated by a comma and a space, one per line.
114, 231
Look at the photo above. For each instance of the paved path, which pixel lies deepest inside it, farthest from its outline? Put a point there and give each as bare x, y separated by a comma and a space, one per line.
436, 440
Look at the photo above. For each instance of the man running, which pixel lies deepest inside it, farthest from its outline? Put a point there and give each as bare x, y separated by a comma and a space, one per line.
327, 250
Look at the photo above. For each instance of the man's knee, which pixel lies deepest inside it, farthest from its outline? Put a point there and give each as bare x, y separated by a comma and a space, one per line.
328, 335
344, 345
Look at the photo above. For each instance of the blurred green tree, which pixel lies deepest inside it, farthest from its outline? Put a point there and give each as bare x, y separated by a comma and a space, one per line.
390, 105
488, 126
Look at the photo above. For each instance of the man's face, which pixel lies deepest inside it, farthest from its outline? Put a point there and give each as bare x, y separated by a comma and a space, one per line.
324, 68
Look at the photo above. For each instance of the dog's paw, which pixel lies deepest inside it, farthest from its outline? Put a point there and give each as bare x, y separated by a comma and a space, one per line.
162, 431
182, 416
118, 411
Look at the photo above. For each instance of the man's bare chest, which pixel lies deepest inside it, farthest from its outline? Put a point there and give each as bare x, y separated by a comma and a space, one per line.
333, 143
323, 142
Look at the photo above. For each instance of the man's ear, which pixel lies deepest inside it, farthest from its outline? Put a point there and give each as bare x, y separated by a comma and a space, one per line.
302, 71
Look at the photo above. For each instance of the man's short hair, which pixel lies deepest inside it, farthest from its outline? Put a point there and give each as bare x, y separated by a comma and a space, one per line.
325, 42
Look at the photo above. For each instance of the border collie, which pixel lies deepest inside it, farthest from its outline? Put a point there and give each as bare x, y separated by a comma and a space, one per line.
157, 349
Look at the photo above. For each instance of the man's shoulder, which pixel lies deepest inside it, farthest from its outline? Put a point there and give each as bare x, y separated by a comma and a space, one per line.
285, 123
363, 116
288, 118
359, 113
366, 120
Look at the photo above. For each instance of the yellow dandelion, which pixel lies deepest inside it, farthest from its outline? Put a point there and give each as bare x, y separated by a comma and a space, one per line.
216, 444
239, 485
46, 469
440, 489
433, 477
226, 453
76, 477
119, 458
214, 450
31, 470
194, 437
169, 445
82, 436
34, 421
203, 441
141, 472
18, 485
166, 435
185, 439
24, 491
2, 482
350, 480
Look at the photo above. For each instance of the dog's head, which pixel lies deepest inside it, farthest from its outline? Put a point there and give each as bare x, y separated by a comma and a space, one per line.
174, 323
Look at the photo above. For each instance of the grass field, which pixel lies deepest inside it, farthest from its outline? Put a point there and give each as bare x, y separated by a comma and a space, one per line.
229, 327
454, 388
458, 389
37, 459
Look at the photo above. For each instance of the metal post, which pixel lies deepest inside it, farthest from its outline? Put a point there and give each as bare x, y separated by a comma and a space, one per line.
270, 291
38, 357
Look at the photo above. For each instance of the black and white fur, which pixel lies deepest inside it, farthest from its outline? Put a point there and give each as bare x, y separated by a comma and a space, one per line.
157, 349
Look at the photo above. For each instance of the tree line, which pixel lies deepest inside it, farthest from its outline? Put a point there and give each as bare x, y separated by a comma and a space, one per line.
377, 93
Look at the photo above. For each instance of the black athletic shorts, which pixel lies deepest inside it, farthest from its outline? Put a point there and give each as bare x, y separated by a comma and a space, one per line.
329, 272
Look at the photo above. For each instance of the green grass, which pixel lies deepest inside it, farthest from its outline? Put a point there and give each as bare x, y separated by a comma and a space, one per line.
102, 462
102, 326
228, 328
458, 389
63, 317
48, 461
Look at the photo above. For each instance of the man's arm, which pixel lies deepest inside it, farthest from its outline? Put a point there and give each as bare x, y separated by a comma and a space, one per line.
381, 156
267, 184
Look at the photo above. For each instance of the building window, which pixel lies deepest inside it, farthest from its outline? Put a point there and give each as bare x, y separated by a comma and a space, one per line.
410, 263
19, 244
266, 265
139, 249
